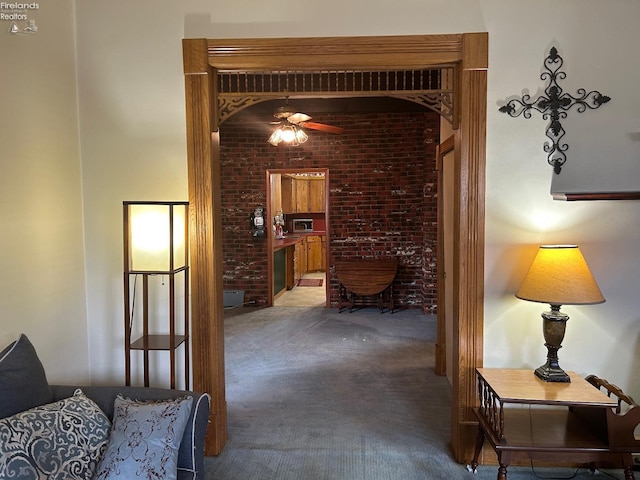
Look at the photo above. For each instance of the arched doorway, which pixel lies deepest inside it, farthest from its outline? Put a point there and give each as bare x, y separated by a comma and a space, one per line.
466, 55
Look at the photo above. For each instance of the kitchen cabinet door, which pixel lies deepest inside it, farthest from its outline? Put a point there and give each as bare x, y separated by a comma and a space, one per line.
276, 193
300, 266
302, 196
316, 196
288, 194
314, 253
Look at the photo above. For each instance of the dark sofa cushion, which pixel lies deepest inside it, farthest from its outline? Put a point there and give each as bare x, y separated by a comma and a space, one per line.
23, 382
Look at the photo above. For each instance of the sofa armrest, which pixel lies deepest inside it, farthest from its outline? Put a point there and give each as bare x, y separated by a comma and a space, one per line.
191, 454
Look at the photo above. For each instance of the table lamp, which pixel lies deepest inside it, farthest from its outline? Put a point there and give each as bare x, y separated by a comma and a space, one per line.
559, 275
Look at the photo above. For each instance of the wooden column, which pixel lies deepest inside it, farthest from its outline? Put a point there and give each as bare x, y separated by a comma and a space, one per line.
203, 160
470, 159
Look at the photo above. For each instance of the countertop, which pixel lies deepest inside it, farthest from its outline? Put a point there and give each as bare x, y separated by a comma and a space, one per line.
292, 239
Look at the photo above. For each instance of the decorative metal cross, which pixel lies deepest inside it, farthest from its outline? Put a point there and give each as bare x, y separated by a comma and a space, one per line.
554, 106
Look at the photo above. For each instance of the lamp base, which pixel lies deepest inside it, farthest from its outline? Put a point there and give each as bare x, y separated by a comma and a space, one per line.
549, 373
553, 327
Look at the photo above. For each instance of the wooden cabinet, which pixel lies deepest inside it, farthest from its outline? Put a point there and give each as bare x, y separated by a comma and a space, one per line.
302, 195
300, 260
314, 253
288, 194
291, 268
316, 196
276, 193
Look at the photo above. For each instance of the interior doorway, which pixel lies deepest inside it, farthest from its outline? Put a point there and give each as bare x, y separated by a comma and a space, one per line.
461, 59
297, 246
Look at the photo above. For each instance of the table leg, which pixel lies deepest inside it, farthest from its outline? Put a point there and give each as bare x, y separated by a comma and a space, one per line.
502, 472
628, 473
342, 297
478, 449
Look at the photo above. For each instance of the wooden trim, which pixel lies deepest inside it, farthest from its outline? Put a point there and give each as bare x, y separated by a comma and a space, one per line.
203, 164
270, 54
575, 197
441, 336
445, 147
470, 160
468, 52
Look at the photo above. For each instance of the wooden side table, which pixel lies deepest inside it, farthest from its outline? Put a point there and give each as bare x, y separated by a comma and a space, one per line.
526, 418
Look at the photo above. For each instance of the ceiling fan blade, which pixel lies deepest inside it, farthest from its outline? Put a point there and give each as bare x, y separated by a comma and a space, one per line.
297, 118
323, 127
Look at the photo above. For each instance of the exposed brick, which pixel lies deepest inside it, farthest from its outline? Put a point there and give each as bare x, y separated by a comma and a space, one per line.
382, 197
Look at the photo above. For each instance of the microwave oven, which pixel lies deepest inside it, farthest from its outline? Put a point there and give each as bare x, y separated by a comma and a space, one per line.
302, 225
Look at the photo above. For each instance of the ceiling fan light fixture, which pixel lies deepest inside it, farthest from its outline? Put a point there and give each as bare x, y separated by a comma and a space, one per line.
276, 137
289, 134
301, 135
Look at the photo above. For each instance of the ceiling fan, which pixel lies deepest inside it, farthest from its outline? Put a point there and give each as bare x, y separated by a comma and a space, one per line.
291, 124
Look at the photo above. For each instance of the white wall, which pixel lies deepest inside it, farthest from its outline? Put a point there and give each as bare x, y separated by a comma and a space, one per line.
601, 339
132, 129
42, 290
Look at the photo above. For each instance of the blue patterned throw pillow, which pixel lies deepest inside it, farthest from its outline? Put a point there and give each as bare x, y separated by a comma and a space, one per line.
145, 439
63, 440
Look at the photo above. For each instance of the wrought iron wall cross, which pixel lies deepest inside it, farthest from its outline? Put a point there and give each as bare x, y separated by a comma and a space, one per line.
554, 106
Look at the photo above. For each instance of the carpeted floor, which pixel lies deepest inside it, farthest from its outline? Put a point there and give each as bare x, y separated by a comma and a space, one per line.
317, 395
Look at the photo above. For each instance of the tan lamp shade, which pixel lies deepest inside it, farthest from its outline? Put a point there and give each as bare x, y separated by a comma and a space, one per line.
559, 275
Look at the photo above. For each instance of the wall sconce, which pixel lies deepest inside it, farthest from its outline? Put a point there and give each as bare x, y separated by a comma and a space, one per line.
156, 242
559, 275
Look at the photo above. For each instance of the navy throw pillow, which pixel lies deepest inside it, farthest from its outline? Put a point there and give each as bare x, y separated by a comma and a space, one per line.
23, 382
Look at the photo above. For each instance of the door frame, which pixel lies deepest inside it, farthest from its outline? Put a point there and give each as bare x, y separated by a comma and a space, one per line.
203, 58
282, 171
446, 146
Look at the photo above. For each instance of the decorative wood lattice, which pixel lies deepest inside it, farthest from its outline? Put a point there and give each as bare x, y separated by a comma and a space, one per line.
431, 88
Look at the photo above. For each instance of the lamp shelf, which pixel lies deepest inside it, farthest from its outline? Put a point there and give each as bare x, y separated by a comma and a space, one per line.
158, 272
158, 342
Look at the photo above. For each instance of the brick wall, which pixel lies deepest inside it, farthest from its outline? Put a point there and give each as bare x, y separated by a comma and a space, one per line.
382, 196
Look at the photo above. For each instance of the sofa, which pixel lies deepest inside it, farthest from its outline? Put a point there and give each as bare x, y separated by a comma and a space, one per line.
95, 432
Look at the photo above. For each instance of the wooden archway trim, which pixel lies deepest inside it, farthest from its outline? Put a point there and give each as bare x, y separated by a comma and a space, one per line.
202, 58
